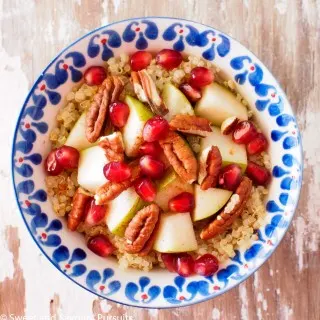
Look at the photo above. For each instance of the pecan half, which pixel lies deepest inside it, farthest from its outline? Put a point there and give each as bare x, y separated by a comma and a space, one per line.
213, 167
113, 146
191, 93
76, 215
146, 91
150, 242
141, 227
137, 87
110, 190
180, 156
229, 125
108, 127
118, 87
232, 210
108, 92
191, 125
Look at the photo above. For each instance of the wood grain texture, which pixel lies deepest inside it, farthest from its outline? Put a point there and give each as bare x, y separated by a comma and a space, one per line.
13, 289
284, 34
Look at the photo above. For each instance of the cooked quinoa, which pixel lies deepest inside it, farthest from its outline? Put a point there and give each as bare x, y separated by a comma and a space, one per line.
62, 188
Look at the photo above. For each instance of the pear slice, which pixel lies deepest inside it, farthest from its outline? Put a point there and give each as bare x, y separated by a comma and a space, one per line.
77, 136
175, 233
230, 151
208, 202
175, 101
218, 103
122, 209
170, 186
132, 131
90, 170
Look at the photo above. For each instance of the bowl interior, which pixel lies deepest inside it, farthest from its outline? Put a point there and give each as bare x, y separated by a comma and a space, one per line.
66, 250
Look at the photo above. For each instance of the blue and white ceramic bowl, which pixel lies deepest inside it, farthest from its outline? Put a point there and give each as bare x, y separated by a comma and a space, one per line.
66, 250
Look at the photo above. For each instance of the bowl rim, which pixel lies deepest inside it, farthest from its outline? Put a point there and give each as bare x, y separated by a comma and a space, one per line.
14, 136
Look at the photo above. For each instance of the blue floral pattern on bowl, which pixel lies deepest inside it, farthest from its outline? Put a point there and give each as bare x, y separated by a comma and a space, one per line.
213, 42
67, 251
139, 32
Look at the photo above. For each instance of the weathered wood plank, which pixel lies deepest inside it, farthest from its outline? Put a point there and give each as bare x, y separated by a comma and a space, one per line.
12, 290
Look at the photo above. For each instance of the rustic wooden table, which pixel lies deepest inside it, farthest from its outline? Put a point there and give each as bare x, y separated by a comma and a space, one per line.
285, 34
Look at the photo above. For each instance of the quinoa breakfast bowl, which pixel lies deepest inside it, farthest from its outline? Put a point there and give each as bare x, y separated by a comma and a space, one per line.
156, 162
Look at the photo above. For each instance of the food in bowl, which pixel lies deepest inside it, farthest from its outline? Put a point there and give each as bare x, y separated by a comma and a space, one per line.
159, 161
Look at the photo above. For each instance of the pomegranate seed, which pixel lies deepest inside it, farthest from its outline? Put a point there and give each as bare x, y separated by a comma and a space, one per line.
183, 202
155, 129
52, 166
151, 148
260, 175
230, 177
146, 189
185, 265
94, 76
101, 245
169, 59
140, 60
68, 157
257, 145
170, 261
94, 213
191, 93
117, 171
206, 265
200, 77
244, 132
152, 167
119, 113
